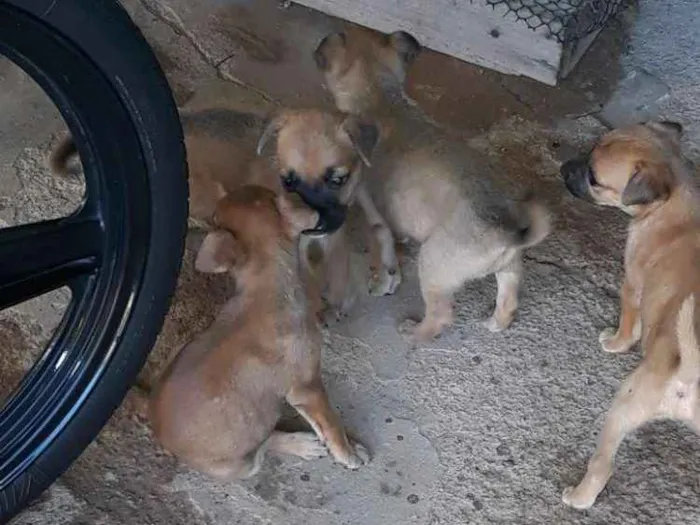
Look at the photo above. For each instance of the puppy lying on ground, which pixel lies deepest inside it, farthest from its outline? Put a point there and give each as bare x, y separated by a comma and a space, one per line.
430, 187
218, 402
318, 155
641, 170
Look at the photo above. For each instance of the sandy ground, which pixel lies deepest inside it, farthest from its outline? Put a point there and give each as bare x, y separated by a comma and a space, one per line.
475, 428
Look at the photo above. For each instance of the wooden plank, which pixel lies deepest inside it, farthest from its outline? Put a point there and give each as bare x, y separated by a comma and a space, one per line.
468, 30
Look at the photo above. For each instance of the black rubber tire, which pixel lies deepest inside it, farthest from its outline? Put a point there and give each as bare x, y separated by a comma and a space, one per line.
104, 33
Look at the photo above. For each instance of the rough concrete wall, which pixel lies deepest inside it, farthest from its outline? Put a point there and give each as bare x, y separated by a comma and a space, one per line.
662, 67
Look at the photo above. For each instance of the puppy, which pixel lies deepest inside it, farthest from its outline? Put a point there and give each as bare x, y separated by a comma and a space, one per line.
318, 155
431, 187
218, 402
641, 171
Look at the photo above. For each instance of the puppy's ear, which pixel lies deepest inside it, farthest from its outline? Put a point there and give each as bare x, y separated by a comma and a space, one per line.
405, 45
295, 215
671, 129
274, 124
329, 49
648, 184
363, 135
219, 253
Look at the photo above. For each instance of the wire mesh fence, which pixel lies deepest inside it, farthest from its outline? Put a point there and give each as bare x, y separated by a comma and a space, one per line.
566, 21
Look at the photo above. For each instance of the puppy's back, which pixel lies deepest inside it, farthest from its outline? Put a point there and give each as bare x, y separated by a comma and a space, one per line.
222, 124
434, 179
221, 156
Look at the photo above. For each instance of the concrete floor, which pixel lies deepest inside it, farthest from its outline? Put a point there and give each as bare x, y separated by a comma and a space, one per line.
476, 428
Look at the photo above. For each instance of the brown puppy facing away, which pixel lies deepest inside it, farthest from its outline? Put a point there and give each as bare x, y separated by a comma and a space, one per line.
430, 187
218, 402
318, 155
641, 170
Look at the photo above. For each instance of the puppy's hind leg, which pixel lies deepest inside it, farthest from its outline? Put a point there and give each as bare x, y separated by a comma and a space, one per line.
438, 315
237, 468
508, 280
635, 403
305, 445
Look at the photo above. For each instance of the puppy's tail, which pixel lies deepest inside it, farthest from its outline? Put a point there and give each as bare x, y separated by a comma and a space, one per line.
540, 222
689, 369
58, 161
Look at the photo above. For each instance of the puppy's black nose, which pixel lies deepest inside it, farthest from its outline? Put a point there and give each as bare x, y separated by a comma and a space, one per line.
577, 176
578, 167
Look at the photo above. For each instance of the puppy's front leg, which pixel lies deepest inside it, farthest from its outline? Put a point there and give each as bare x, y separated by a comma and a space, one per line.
337, 269
312, 277
630, 328
388, 277
311, 401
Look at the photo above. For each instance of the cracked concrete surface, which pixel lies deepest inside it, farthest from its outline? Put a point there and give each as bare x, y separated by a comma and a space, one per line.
475, 428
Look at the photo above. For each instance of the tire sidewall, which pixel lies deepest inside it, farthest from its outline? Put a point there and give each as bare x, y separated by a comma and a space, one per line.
104, 32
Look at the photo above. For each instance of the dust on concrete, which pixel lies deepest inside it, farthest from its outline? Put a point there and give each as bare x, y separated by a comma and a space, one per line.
474, 428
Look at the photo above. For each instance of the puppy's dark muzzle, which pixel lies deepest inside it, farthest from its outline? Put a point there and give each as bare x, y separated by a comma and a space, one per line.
576, 174
331, 213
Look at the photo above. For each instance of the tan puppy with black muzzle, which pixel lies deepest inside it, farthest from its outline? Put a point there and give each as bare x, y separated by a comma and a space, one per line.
640, 170
431, 187
217, 404
320, 156
322, 151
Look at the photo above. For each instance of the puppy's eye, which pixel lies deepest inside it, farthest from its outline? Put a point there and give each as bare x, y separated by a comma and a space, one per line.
336, 178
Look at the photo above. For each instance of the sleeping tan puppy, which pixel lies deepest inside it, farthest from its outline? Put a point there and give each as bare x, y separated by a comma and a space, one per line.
217, 404
431, 187
641, 170
317, 154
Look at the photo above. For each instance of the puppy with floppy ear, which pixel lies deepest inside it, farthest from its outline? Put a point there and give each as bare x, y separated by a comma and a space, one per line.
430, 186
320, 157
640, 170
217, 404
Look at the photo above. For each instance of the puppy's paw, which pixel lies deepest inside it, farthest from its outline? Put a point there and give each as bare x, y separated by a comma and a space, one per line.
408, 331
355, 457
573, 497
419, 333
407, 327
385, 281
495, 324
611, 343
307, 446
361, 452
331, 315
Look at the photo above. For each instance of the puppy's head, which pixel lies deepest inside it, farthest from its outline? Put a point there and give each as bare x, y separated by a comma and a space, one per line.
362, 68
319, 156
252, 224
630, 168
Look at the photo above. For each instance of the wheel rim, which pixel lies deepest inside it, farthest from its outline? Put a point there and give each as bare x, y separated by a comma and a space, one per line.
99, 252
